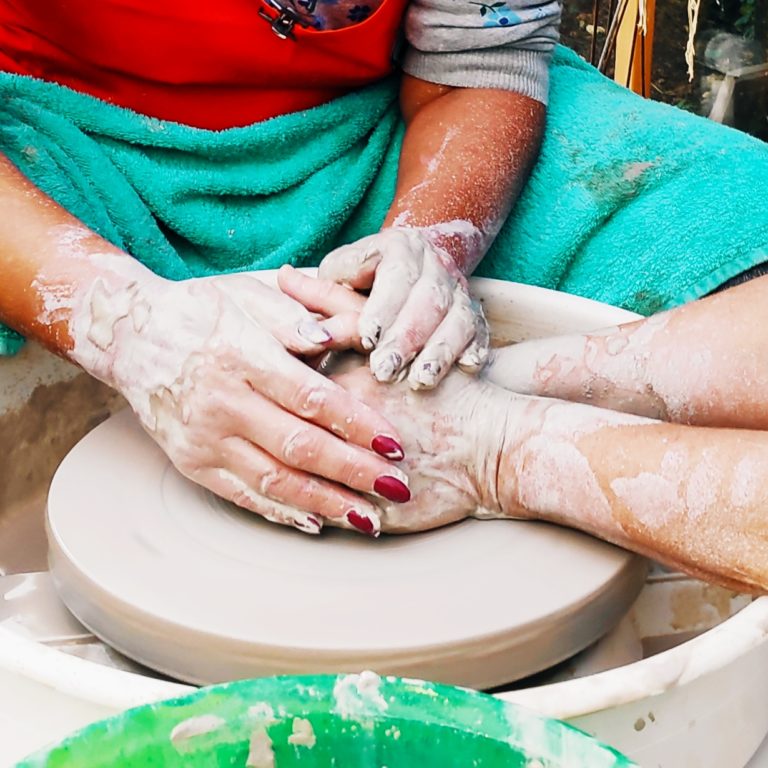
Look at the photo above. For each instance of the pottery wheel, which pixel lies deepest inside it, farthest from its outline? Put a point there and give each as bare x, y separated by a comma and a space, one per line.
194, 587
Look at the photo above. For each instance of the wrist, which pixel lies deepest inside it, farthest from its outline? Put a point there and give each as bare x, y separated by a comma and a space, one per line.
108, 312
543, 473
459, 240
497, 424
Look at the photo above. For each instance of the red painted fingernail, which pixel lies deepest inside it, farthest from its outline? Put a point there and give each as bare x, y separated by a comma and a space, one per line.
388, 447
362, 522
391, 488
310, 524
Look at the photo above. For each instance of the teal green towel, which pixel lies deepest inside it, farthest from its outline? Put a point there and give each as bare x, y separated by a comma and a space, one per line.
631, 202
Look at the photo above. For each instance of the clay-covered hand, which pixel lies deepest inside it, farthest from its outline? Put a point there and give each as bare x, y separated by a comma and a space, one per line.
453, 437
419, 311
456, 437
453, 434
210, 367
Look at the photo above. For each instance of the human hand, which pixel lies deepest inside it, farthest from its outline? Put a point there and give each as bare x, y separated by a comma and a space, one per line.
208, 365
454, 435
419, 310
454, 438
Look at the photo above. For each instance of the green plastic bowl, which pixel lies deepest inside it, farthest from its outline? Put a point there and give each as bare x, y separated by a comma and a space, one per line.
345, 721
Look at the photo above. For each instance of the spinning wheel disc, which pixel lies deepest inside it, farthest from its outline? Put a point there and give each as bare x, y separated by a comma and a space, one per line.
194, 587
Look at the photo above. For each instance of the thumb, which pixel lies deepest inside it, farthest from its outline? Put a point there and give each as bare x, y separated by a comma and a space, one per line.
325, 297
354, 264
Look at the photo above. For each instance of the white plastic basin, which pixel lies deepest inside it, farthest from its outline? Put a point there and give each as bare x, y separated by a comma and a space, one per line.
700, 704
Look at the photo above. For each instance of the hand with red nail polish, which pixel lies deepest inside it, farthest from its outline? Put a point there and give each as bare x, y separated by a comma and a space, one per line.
451, 440
212, 369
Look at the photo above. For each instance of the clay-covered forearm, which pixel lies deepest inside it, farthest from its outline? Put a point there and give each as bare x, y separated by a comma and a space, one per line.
691, 497
465, 157
46, 255
703, 363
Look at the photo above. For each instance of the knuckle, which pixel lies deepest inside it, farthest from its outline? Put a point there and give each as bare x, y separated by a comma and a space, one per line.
464, 301
461, 330
245, 500
325, 269
310, 401
350, 470
442, 296
447, 266
414, 337
299, 447
189, 461
314, 496
219, 404
191, 470
401, 236
272, 484
442, 352
274, 514
409, 339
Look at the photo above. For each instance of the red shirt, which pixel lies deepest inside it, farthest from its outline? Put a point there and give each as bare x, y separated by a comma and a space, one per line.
207, 63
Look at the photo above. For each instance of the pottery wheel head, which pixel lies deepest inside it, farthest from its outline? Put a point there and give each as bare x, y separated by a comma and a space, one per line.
194, 587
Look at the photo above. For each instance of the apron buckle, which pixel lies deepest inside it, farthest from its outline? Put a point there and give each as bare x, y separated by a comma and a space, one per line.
284, 21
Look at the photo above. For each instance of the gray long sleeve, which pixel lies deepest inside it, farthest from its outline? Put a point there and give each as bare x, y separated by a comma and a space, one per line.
505, 45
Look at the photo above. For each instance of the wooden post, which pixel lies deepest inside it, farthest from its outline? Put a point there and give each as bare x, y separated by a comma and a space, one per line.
634, 51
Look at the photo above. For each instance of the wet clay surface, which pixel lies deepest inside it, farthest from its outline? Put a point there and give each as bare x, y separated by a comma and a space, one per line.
35, 438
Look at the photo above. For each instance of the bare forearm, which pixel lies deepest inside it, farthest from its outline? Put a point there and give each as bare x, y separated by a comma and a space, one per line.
465, 157
45, 256
692, 497
703, 363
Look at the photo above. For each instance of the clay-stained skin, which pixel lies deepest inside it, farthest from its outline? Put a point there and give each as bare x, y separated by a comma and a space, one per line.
683, 495
609, 368
702, 364
655, 498
671, 492
446, 433
206, 366
419, 317
551, 477
474, 450
745, 483
683, 486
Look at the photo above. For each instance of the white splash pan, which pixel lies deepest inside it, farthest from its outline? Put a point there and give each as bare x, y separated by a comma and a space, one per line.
701, 704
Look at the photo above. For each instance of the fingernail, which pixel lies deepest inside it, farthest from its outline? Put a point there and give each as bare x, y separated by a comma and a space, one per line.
363, 522
470, 360
428, 373
369, 340
391, 488
313, 332
388, 447
308, 524
385, 368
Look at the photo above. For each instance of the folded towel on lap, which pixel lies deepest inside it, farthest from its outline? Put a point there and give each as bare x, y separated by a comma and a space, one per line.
631, 202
